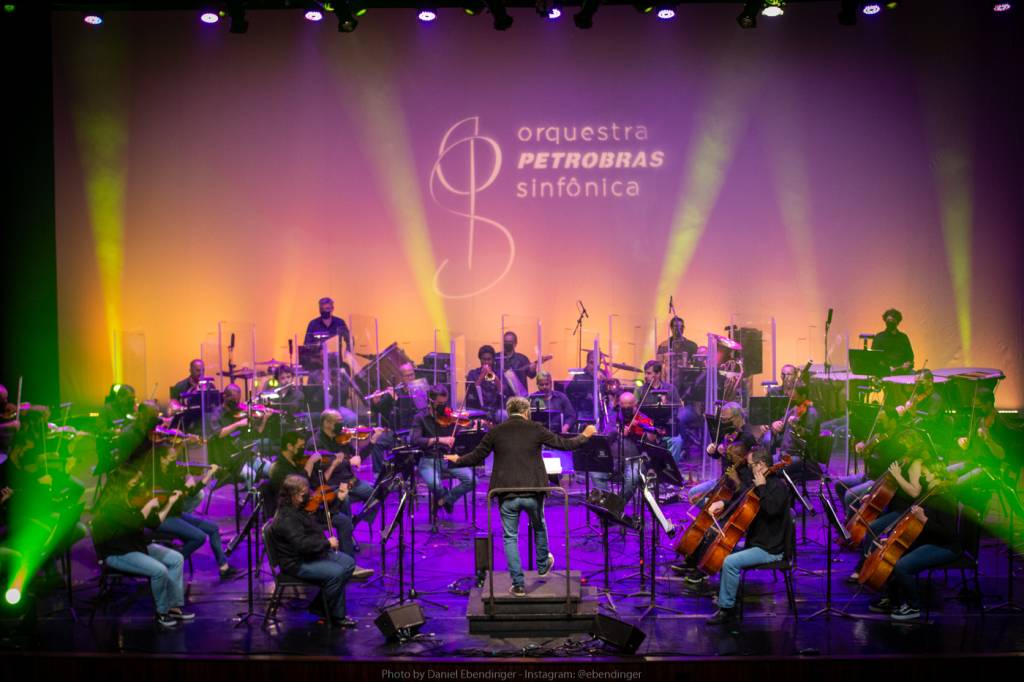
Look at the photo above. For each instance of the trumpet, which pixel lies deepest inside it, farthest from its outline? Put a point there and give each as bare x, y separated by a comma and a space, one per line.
490, 376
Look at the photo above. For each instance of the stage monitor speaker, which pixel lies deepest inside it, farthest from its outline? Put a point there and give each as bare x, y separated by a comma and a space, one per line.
400, 622
617, 633
751, 340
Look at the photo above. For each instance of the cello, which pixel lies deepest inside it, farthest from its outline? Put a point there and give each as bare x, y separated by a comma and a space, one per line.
736, 527
872, 505
689, 542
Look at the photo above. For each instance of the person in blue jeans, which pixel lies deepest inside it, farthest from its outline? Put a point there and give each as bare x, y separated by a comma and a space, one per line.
766, 537
518, 471
191, 529
118, 530
304, 551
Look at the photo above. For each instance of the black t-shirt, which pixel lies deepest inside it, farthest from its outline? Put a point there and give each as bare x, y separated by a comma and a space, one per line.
120, 529
316, 330
896, 346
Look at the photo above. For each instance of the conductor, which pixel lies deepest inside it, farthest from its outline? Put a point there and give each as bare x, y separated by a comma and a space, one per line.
516, 444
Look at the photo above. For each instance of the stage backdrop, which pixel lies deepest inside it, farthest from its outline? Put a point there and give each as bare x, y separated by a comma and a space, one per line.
437, 176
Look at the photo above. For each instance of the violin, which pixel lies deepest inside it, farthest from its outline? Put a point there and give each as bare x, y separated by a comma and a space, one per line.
163, 434
736, 527
450, 418
347, 434
324, 495
258, 411
641, 426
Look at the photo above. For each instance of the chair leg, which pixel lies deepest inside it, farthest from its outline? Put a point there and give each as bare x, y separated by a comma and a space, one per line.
272, 603
739, 595
327, 610
790, 593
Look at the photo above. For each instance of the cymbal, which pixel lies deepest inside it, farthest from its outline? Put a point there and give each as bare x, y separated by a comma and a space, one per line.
625, 368
271, 363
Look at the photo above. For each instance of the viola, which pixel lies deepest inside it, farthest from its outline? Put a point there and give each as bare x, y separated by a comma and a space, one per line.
324, 495
450, 418
736, 527
348, 434
690, 541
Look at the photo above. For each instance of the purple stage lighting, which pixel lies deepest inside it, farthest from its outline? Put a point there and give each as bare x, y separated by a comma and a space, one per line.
426, 15
314, 15
93, 19
872, 8
667, 13
209, 17
554, 13
1001, 7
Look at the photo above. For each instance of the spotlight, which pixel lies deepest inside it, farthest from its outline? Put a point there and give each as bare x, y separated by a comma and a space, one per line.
347, 21
209, 17
427, 15
547, 9
473, 8
236, 15
644, 7
748, 17
314, 15
502, 19
554, 13
13, 595
892, 4
585, 17
871, 8
1002, 7
9, 8
667, 13
774, 8
93, 19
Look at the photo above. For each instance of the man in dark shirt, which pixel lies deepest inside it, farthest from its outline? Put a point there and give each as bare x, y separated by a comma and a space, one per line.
226, 427
766, 537
797, 434
118, 531
483, 389
735, 439
346, 460
118, 409
898, 353
436, 441
547, 398
327, 326
304, 552
785, 389
677, 350
518, 464
517, 362
189, 383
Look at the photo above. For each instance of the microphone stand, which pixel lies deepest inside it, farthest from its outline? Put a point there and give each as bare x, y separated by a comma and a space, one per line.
247, 532
805, 507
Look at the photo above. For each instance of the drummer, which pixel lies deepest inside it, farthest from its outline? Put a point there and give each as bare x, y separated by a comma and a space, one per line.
281, 391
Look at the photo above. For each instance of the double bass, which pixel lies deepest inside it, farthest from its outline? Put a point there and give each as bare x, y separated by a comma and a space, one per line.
736, 527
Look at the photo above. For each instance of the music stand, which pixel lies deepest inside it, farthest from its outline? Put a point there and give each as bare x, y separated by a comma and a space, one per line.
831, 521
660, 460
552, 419
869, 362
595, 456
609, 508
767, 409
659, 521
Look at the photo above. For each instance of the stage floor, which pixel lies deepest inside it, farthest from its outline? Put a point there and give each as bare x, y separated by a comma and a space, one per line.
126, 626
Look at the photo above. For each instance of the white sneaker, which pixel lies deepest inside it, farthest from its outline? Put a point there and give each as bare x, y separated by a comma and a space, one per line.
551, 564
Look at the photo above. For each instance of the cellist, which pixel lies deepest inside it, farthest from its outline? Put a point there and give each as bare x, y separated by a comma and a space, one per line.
765, 540
910, 482
938, 544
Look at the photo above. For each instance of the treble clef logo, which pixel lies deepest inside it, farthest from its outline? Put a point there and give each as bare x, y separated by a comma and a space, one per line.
464, 137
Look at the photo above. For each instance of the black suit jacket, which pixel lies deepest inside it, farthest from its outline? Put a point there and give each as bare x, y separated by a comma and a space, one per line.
516, 444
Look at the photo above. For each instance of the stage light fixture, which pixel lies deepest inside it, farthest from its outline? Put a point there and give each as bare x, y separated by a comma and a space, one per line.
773, 8
871, 8
892, 4
314, 15
209, 17
747, 18
347, 21
847, 12
474, 8
502, 19
13, 596
585, 17
1002, 7
666, 12
237, 22
93, 19
427, 15
644, 7
548, 9
9, 8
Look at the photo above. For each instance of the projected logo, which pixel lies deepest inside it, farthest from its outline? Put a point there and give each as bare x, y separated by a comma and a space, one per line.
467, 164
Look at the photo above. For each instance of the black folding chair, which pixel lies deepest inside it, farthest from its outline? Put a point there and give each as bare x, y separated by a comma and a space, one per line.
784, 566
284, 580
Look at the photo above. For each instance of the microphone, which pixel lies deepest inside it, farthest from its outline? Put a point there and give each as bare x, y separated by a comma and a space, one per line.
291, 348
232, 344
828, 321
582, 308
671, 307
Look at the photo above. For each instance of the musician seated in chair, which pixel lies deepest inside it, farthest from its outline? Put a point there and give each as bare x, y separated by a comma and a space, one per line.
192, 530
937, 545
878, 451
305, 553
735, 439
797, 434
118, 534
292, 462
346, 462
912, 479
547, 398
436, 440
631, 465
515, 361
765, 538
228, 428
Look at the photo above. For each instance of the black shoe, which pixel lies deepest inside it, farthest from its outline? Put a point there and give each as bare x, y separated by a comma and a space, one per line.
694, 578
178, 614
679, 569
551, 564
882, 605
517, 591
346, 623
723, 617
165, 620
229, 573
905, 612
